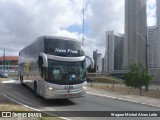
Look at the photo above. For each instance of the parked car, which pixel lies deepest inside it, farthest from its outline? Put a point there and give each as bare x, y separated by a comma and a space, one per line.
3, 75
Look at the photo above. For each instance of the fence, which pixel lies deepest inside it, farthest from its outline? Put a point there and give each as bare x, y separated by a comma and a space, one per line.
9, 61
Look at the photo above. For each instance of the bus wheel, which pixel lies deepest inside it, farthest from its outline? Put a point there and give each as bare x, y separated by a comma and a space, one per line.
35, 89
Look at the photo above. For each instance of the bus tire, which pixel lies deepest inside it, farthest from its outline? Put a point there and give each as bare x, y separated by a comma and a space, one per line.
35, 88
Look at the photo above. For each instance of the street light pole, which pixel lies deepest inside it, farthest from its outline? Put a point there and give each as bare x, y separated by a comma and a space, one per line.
146, 43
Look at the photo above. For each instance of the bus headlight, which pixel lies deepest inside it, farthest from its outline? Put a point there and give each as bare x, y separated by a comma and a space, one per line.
84, 85
50, 88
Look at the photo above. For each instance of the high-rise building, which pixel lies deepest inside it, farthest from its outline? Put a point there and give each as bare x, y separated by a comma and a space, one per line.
158, 30
135, 33
103, 64
158, 15
153, 53
154, 47
99, 62
97, 57
114, 51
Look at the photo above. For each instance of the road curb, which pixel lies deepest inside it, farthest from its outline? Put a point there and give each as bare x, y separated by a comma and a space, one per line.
121, 99
28, 106
10, 81
18, 102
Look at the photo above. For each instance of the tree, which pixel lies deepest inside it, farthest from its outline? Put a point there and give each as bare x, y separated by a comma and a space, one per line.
137, 77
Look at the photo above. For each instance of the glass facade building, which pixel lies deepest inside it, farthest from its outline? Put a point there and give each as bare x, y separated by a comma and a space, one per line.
135, 33
153, 53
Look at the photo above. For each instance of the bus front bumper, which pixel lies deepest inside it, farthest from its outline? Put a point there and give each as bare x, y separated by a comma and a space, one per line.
71, 93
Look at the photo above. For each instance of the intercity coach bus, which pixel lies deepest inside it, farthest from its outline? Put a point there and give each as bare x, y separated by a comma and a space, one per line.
54, 67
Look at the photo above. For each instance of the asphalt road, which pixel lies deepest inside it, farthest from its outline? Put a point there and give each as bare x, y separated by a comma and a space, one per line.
26, 96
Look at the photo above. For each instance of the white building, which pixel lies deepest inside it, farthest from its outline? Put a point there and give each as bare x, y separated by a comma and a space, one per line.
114, 51
99, 62
97, 57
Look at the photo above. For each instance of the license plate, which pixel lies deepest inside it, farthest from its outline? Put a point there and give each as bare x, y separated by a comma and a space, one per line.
68, 86
68, 95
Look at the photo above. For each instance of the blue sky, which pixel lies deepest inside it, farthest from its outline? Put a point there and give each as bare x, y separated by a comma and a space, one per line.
79, 28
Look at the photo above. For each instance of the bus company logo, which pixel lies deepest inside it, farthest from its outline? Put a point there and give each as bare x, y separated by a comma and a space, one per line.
6, 114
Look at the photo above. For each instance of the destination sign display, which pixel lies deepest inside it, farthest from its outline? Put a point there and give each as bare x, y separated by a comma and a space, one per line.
63, 48
58, 50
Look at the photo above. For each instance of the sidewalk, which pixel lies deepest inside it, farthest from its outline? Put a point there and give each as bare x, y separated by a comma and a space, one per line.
129, 98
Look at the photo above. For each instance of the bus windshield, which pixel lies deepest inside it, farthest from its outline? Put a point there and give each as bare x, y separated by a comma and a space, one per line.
65, 72
63, 48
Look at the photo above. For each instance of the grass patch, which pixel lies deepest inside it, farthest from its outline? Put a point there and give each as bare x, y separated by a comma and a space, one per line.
4, 79
107, 79
8, 105
122, 89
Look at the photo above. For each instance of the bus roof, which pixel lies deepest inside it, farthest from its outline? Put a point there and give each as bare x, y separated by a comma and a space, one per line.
58, 37
53, 37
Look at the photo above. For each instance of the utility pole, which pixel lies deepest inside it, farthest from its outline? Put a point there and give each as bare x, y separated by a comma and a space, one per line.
4, 60
96, 62
83, 24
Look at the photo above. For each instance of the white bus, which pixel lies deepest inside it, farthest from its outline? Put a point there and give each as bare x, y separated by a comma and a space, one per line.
54, 67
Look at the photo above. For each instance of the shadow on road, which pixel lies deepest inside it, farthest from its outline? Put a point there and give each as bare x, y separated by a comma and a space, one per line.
57, 102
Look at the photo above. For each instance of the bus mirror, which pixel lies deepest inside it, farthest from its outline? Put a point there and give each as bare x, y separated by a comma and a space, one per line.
91, 60
45, 61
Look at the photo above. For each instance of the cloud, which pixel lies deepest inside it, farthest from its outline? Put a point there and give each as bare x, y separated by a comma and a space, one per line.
106, 15
151, 12
22, 21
